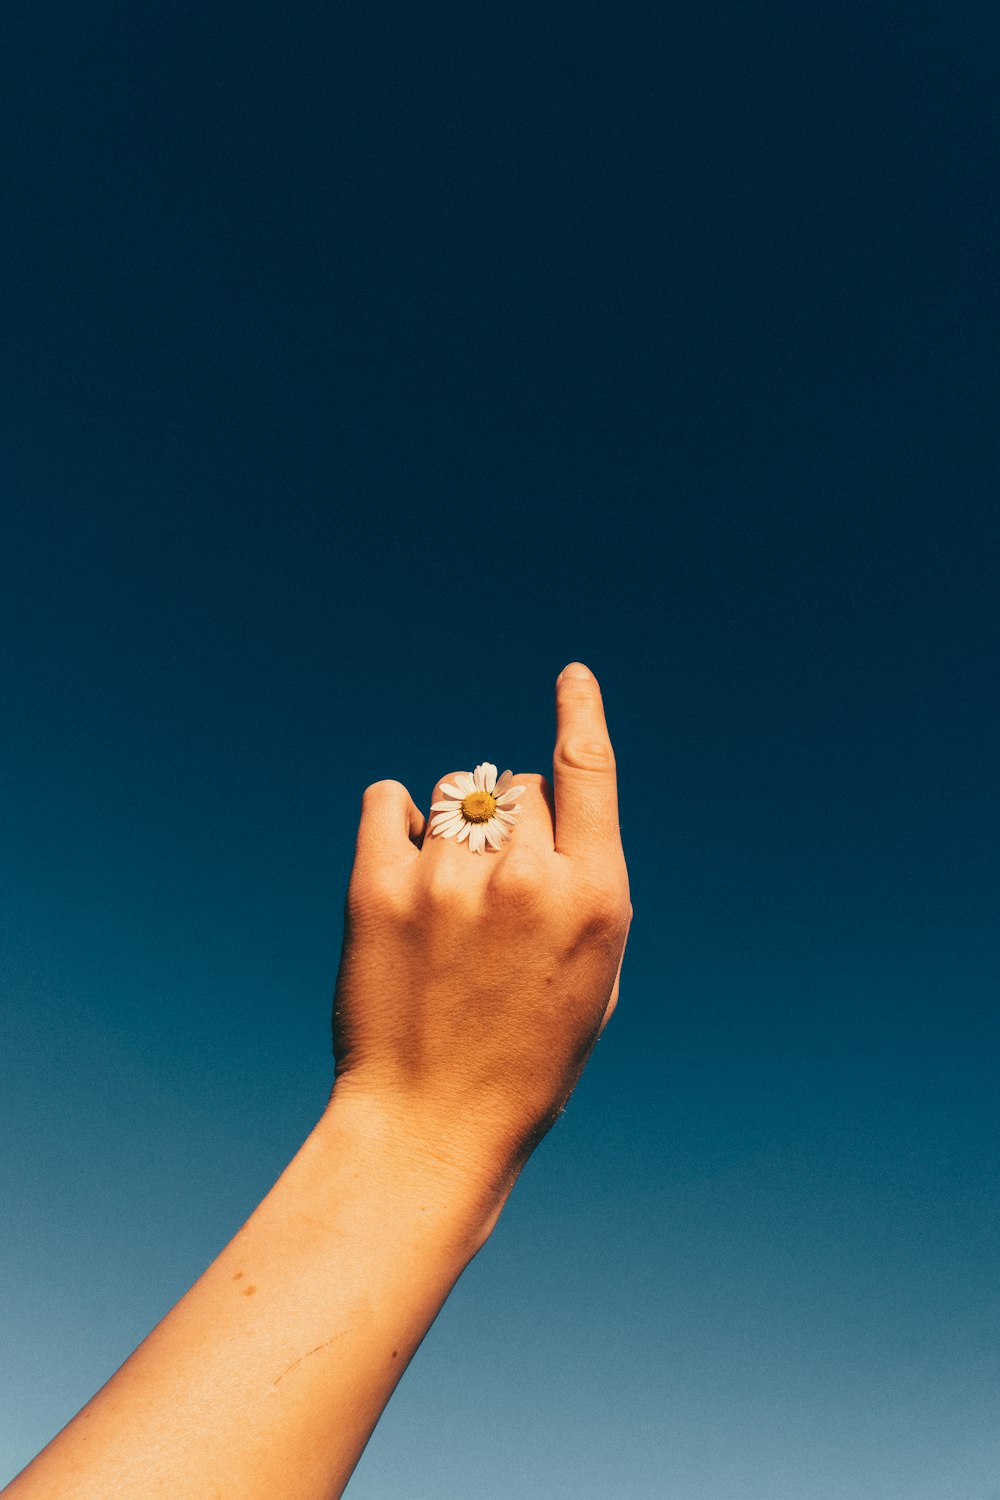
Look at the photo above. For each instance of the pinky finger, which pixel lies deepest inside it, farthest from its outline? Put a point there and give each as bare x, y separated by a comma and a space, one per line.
391, 825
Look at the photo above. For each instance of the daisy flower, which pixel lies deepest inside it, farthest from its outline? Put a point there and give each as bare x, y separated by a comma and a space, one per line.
477, 807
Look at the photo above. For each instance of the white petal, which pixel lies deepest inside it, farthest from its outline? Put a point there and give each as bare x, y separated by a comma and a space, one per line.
446, 825
464, 831
451, 804
451, 791
505, 816
503, 782
466, 781
479, 778
477, 839
489, 777
494, 834
510, 795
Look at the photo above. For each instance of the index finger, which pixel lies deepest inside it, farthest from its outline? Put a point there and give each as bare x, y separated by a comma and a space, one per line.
584, 776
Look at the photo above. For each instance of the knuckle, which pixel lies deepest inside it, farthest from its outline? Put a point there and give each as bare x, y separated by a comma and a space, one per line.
446, 888
604, 907
519, 879
601, 919
585, 755
378, 892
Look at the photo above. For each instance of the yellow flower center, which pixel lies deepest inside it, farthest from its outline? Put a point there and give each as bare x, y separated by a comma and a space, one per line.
478, 807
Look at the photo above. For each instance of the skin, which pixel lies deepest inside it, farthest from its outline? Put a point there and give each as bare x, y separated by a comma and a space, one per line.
471, 991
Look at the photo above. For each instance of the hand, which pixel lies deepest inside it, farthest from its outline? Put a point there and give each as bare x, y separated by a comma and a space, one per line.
472, 988
471, 991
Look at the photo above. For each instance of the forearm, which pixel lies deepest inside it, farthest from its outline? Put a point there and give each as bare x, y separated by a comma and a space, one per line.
265, 1381
470, 993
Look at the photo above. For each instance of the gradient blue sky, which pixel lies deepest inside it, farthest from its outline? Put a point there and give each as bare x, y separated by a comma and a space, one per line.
358, 369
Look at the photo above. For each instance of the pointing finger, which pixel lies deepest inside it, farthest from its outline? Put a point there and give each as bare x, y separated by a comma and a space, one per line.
583, 766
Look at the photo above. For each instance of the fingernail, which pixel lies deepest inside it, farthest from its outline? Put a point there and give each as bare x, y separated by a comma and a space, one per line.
575, 669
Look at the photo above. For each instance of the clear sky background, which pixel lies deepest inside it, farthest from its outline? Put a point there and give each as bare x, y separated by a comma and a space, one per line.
359, 367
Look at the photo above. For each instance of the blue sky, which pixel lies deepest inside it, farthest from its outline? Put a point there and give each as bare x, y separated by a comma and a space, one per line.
359, 372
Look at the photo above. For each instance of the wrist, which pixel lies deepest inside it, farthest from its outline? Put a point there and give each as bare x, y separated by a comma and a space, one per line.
455, 1187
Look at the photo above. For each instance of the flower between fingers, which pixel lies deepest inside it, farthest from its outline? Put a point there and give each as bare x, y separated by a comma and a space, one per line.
477, 806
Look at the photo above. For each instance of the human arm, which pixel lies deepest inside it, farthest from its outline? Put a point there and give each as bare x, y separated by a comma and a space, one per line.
470, 994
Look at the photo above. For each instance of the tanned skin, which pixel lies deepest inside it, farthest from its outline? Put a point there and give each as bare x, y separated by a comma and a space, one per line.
470, 994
